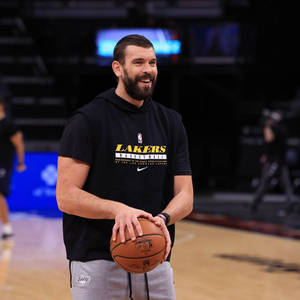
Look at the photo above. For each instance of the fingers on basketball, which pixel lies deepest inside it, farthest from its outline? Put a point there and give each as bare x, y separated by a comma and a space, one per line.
142, 254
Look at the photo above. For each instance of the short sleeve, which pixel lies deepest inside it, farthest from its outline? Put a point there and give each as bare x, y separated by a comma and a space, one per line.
11, 129
76, 141
181, 164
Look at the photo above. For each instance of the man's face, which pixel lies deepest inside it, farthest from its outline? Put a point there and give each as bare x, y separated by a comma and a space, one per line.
139, 72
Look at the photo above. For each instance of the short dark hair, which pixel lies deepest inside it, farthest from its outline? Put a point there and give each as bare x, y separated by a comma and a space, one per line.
130, 40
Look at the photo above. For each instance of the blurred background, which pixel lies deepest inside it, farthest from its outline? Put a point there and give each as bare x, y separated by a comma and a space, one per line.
222, 65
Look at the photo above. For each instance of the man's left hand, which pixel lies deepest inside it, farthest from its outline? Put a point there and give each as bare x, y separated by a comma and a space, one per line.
161, 223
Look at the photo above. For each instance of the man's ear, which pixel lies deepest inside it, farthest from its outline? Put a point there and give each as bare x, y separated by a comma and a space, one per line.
116, 66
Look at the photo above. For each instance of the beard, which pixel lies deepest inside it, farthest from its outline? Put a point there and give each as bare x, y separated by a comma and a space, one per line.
133, 89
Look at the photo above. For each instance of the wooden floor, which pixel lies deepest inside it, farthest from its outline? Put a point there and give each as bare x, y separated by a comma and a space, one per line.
210, 263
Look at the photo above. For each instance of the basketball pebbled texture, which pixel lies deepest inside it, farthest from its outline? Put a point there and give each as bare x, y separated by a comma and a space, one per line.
143, 254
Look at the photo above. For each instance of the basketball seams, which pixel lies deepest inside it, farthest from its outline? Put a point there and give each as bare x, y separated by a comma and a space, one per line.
141, 257
139, 237
142, 254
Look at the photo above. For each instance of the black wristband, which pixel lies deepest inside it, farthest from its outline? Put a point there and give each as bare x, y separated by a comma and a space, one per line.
167, 216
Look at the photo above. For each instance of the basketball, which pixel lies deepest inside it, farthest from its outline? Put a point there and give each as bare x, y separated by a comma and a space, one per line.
143, 254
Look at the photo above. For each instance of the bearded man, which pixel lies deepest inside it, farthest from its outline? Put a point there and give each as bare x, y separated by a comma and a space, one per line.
122, 156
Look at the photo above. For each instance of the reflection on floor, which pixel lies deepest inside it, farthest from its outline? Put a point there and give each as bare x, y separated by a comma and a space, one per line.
213, 263
33, 266
209, 262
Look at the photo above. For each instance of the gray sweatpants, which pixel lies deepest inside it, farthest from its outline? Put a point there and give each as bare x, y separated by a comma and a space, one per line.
104, 280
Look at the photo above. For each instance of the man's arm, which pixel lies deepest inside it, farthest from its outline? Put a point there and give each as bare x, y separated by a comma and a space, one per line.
179, 207
17, 141
72, 199
268, 133
71, 176
182, 203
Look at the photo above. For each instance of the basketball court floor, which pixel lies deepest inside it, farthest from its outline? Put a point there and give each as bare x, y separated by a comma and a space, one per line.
210, 263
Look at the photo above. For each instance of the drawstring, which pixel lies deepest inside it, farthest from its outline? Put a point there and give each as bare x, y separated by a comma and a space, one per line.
130, 286
147, 286
70, 269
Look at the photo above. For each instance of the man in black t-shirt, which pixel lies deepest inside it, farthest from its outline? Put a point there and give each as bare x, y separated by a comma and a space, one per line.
273, 165
122, 156
11, 140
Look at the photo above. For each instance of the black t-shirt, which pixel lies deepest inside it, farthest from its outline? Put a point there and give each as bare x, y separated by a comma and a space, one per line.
7, 150
134, 154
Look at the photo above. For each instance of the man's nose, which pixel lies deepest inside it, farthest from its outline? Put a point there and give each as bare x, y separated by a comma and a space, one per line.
147, 68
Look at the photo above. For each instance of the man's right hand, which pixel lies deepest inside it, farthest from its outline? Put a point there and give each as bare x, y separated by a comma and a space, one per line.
21, 167
128, 218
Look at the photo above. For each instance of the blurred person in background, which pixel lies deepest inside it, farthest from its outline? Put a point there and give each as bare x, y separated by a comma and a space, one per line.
273, 161
291, 119
276, 159
6, 94
11, 142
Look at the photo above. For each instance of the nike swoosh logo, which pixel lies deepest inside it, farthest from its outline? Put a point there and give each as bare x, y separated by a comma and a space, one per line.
141, 169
